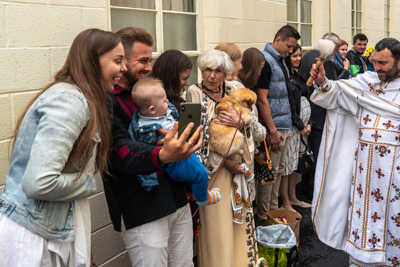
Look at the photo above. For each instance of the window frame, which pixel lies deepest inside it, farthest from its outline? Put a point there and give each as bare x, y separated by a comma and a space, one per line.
355, 9
386, 19
299, 23
159, 12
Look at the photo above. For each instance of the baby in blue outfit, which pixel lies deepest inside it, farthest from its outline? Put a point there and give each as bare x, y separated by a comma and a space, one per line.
153, 113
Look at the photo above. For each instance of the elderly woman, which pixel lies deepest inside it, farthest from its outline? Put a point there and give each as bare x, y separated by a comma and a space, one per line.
254, 63
221, 241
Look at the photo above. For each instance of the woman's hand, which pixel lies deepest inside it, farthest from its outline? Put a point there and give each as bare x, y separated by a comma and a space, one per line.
230, 119
176, 149
306, 130
346, 64
234, 166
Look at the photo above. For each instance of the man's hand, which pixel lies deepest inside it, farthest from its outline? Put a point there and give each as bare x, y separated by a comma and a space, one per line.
234, 166
163, 132
318, 74
175, 149
275, 138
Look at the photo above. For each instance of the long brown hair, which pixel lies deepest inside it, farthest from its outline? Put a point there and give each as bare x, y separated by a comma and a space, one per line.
288, 59
82, 68
167, 68
252, 59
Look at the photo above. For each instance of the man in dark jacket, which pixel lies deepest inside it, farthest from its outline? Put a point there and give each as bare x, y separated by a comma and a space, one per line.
156, 225
318, 113
358, 63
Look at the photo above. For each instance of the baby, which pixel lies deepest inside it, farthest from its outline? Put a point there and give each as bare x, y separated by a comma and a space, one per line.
153, 113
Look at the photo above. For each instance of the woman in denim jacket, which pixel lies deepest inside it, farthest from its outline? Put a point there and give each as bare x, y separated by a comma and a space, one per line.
60, 141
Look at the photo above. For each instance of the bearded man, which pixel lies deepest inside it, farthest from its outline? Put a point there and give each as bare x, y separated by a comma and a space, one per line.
358, 62
356, 205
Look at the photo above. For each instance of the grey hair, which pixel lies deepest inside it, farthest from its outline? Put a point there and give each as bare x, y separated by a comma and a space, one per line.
214, 59
332, 37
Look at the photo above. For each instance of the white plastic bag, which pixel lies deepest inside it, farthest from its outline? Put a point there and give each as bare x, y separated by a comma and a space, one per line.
276, 236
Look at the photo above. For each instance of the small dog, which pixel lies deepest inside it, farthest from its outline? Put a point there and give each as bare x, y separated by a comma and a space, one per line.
240, 100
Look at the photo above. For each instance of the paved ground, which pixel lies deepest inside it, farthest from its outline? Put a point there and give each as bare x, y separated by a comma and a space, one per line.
312, 252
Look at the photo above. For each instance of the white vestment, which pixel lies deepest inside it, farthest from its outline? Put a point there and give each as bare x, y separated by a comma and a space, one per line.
356, 204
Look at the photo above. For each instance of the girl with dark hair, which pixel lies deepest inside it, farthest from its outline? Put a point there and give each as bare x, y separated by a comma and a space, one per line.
173, 68
61, 140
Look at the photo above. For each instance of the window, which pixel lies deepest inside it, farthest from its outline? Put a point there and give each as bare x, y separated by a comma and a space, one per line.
173, 24
299, 16
356, 16
387, 18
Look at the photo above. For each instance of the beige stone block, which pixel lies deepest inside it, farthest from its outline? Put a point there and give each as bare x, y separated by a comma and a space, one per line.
58, 56
251, 31
279, 12
377, 12
19, 102
85, 3
217, 9
24, 69
270, 29
244, 31
262, 10
240, 10
106, 244
42, 25
235, 30
5, 151
6, 129
209, 47
320, 30
28, 1
99, 182
2, 26
216, 30
94, 18
99, 211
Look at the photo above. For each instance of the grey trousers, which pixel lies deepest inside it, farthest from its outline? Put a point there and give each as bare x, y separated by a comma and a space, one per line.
267, 195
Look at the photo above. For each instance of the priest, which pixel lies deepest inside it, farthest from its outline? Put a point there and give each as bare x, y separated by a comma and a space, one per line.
356, 204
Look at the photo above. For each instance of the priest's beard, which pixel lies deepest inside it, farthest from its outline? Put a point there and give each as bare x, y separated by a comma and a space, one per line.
390, 74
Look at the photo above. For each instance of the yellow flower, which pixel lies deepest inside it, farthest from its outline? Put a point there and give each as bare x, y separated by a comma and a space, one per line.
369, 51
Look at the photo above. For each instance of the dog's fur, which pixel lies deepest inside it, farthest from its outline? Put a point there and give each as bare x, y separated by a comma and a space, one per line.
241, 100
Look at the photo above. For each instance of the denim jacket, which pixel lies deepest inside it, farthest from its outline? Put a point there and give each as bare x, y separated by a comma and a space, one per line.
39, 192
148, 133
